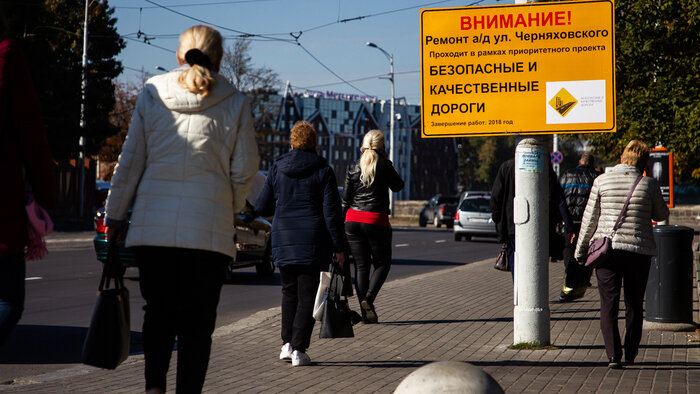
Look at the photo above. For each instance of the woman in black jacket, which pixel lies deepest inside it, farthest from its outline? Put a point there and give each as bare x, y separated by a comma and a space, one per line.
301, 192
366, 203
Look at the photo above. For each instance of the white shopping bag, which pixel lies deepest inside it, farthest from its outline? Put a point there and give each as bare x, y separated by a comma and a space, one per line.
321, 295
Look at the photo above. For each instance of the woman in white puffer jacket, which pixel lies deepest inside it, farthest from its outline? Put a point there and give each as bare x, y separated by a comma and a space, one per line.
633, 245
187, 165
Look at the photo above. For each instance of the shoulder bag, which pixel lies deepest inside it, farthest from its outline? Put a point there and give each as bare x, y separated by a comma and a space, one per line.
599, 250
108, 337
502, 263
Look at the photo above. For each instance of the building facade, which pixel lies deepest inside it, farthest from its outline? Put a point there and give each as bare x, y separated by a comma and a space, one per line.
428, 166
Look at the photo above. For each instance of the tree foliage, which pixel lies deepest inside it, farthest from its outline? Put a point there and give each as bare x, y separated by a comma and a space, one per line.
52, 35
657, 81
479, 159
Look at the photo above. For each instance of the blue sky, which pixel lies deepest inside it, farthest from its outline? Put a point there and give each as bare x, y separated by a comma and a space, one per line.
340, 46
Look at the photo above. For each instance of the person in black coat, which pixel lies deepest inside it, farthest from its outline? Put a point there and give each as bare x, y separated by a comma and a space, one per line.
366, 203
501, 205
577, 183
307, 228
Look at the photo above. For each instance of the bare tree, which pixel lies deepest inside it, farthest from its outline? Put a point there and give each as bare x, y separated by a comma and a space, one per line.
237, 66
259, 83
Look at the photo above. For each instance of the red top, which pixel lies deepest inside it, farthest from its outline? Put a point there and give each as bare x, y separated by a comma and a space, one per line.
378, 219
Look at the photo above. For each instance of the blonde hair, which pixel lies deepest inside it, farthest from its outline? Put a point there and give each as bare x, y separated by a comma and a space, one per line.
371, 143
198, 78
636, 154
303, 136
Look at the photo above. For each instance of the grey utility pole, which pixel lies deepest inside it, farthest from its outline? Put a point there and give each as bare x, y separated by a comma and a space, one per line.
81, 141
531, 313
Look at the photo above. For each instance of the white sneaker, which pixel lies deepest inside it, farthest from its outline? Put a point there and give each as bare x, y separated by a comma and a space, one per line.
286, 352
300, 359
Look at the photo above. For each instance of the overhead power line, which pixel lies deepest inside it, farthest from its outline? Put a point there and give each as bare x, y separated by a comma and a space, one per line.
196, 4
148, 42
332, 72
242, 33
355, 80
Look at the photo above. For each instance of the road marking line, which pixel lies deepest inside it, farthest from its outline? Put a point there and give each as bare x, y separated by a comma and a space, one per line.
401, 245
34, 278
439, 241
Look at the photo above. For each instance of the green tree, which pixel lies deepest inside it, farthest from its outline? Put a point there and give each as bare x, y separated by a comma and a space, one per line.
479, 159
657, 81
52, 35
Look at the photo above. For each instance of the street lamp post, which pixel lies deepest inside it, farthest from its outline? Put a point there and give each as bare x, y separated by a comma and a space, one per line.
81, 141
391, 121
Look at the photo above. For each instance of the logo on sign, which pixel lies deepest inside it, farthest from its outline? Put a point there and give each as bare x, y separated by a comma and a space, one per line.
563, 102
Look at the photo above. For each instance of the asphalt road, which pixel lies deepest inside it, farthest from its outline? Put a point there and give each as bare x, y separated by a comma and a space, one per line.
61, 292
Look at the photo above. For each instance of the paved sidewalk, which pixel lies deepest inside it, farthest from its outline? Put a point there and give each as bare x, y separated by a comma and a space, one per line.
462, 314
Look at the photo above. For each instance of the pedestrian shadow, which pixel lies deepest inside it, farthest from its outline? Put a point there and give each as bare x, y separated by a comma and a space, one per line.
375, 363
575, 310
424, 262
39, 344
572, 318
682, 365
446, 321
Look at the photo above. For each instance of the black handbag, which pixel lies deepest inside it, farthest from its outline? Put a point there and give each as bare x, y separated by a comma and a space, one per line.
107, 341
502, 263
337, 318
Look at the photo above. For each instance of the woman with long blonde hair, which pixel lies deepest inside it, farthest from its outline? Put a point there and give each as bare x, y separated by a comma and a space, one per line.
187, 164
367, 227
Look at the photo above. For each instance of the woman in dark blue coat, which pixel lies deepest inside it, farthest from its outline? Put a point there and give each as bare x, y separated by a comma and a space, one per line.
307, 228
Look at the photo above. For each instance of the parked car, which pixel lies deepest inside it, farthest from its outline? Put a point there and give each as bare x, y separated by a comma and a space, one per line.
439, 210
473, 218
252, 239
471, 193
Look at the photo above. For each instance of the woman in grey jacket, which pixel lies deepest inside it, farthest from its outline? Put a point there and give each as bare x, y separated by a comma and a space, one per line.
633, 245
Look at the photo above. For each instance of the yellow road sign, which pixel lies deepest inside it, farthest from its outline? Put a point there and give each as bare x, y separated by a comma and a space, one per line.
537, 68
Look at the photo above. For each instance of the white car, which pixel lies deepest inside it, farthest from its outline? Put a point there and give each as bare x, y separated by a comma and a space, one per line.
473, 218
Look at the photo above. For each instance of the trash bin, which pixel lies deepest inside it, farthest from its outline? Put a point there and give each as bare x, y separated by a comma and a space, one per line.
670, 285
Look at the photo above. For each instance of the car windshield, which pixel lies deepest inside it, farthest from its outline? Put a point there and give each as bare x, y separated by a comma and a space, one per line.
475, 205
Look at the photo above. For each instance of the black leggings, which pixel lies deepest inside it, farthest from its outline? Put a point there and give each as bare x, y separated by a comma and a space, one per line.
370, 245
181, 288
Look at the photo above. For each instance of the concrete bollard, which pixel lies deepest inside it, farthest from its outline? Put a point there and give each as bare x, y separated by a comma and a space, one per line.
449, 377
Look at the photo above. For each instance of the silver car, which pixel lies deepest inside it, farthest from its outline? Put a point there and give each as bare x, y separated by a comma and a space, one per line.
473, 218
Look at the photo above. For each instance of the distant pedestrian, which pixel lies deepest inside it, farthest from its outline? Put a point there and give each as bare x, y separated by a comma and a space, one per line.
366, 202
501, 205
187, 165
577, 184
633, 245
307, 229
24, 157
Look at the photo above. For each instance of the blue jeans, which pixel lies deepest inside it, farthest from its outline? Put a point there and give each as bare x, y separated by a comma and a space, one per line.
12, 271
